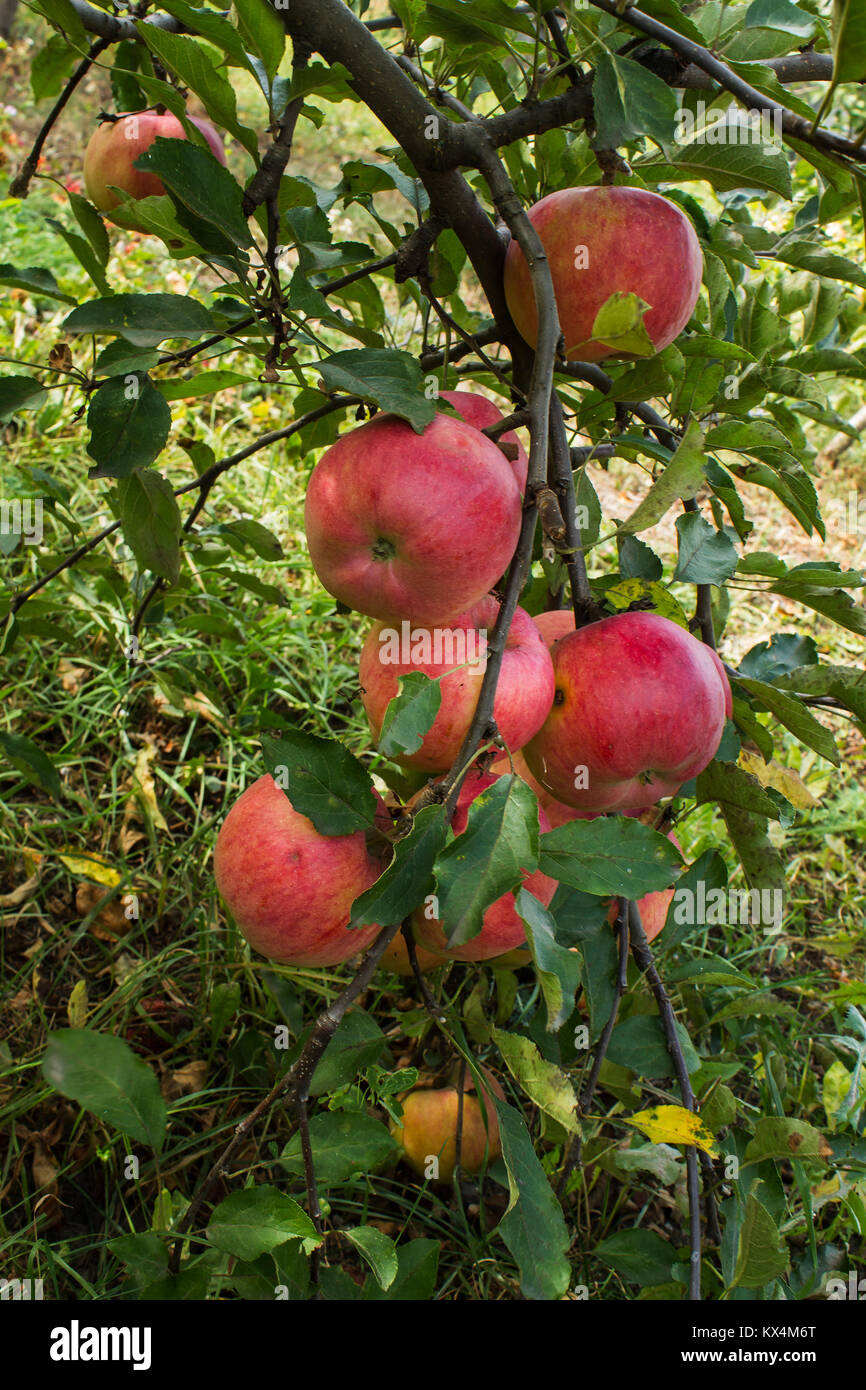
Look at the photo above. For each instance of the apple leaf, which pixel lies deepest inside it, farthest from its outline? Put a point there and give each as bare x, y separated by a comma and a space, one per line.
673, 1124
795, 716
20, 393
619, 324
34, 280
845, 683
145, 320
102, 1073
345, 1144
129, 423
629, 101
680, 479
32, 763
611, 856
410, 714
386, 376
198, 182
761, 861
728, 784
704, 555
417, 1264
533, 1227
151, 522
252, 1222
639, 1257
488, 859
559, 970
546, 1085
409, 877
357, 1043
322, 780
640, 1045
785, 1139
378, 1250
849, 40
762, 1254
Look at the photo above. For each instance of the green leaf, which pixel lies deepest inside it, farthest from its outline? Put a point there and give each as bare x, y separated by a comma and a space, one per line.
197, 180
151, 522
345, 1145
50, 67
729, 785
786, 651
263, 30
619, 324
378, 1250
704, 555
245, 534
196, 66
202, 384
639, 1257
681, 479
20, 393
727, 168
845, 683
640, 1045
145, 320
410, 714
408, 879
544, 1083
83, 253
102, 1073
129, 424
250, 1223
761, 861
499, 845
417, 1265
785, 1139
559, 970
795, 716
533, 1227
34, 279
145, 1255
610, 856
849, 40
630, 102
32, 763
357, 1043
762, 1254
390, 378
322, 780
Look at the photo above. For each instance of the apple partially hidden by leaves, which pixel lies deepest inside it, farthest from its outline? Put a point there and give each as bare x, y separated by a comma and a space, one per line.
113, 148
427, 1133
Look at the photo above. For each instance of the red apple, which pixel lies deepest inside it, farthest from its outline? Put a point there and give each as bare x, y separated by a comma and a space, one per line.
639, 709
502, 927
479, 411
524, 693
554, 624
415, 526
289, 888
115, 146
603, 241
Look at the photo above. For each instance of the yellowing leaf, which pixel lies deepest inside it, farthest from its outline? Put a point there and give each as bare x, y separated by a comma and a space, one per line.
76, 1008
145, 790
629, 590
672, 1124
783, 779
93, 867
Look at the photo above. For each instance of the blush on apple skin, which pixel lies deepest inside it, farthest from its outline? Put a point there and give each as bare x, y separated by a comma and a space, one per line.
524, 693
636, 242
429, 1128
401, 525
289, 888
502, 927
640, 704
115, 146
478, 411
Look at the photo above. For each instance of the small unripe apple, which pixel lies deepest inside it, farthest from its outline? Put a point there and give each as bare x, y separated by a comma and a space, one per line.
477, 410
428, 1130
115, 146
524, 692
289, 888
395, 958
412, 526
603, 241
